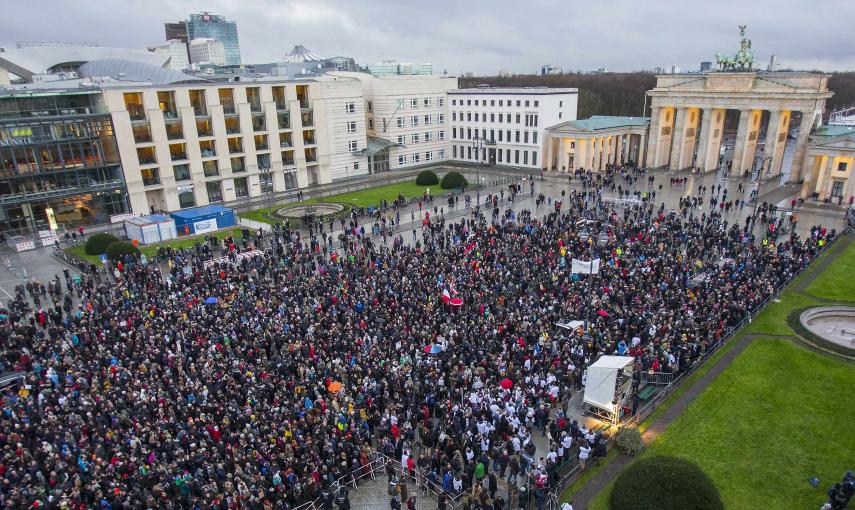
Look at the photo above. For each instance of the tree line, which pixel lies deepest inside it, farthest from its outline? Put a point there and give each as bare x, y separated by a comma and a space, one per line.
623, 93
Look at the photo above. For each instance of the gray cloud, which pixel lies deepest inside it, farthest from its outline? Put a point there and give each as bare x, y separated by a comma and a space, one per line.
470, 35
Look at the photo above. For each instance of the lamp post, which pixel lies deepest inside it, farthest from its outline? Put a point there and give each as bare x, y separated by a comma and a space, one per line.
758, 182
268, 177
477, 147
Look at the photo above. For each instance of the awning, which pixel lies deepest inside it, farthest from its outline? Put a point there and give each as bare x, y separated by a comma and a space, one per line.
376, 145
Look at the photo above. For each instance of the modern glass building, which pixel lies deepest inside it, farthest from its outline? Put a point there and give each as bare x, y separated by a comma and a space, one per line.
59, 162
206, 25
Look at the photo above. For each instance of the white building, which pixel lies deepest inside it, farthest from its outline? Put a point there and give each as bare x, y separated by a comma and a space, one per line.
406, 119
179, 59
394, 67
207, 51
190, 144
506, 126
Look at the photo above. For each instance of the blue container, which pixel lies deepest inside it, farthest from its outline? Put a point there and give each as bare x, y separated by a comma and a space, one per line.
201, 220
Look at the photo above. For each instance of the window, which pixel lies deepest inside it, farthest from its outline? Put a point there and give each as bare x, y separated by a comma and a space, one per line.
453, 151
507, 155
351, 126
370, 123
536, 104
415, 137
441, 118
356, 166
534, 157
427, 102
841, 166
399, 103
468, 116
476, 116
518, 102
181, 172
517, 139
469, 152
400, 122
468, 102
500, 135
401, 140
402, 159
499, 152
561, 104
427, 120
428, 136
186, 198
501, 102
428, 156
525, 137
453, 133
442, 136
414, 120
508, 118
453, 102
468, 133
526, 103
414, 103
534, 138
518, 118
525, 157
492, 102
440, 101
416, 157
492, 117
516, 157
369, 107
350, 107
441, 154
559, 115
351, 145
454, 116
508, 135
572, 144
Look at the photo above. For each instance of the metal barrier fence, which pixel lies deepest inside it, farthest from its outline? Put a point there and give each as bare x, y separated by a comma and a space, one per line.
553, 500
657, 378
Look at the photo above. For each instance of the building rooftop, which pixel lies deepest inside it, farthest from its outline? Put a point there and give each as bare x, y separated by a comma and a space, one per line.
514, 90
833, 131
302, 54
129, 70
27, 61
600, 122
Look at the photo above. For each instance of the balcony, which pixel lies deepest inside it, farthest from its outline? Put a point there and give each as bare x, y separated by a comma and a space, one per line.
142, 133
170, 114
232, 125
151, 181
148, 160
235, 146
311, 156
259, 123
209, 153
174, 130
262, 146
210, 168
284, 121
136, 112
178, 156
307, 119
146, 156
204, 128
228, 108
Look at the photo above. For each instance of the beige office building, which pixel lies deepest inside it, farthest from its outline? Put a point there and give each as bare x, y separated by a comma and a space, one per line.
406, 119
192, 144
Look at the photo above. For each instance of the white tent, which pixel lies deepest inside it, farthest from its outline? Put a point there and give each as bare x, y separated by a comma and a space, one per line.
604, 384
150, 229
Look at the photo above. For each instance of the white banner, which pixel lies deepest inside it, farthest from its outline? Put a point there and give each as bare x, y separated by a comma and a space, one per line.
116, 218
205, 226
238, 257
25, 245
581, 266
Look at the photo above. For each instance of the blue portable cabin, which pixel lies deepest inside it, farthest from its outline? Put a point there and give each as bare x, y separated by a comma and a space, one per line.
200, 220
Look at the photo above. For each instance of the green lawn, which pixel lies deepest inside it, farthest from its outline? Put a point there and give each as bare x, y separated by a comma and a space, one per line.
363, 198
774, 418
838, 281
151, 249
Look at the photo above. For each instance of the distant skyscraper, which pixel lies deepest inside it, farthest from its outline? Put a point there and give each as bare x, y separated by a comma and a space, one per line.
211, 26
706, 67
389, 67
549, 69
176, 31
177, 50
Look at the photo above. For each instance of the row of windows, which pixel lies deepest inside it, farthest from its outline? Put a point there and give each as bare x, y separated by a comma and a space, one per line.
502, 102
520, 157
529, 119
429, 136
415, 119
418, 157
415, 102
504, 136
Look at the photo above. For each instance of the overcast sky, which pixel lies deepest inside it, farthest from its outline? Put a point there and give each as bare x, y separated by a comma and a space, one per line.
469, 35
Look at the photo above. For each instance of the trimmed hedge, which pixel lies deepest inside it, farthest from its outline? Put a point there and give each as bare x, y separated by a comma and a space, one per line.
117, 250
427, 178
453, 180
98, 243
628, 440
664, 483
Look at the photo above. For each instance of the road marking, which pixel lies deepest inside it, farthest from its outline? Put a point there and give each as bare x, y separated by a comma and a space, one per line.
4, 292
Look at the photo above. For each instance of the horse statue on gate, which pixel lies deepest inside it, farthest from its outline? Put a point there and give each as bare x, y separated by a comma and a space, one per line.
743, 60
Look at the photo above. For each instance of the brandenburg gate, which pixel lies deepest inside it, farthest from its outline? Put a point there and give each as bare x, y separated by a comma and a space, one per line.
688, 113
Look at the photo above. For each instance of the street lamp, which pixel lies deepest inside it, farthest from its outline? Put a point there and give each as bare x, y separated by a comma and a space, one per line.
477, 147
268, 178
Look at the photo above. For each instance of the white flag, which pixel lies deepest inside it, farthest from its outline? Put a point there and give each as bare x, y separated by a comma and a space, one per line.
581, 266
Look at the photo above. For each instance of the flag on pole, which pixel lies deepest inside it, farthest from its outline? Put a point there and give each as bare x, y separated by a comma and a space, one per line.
587, 267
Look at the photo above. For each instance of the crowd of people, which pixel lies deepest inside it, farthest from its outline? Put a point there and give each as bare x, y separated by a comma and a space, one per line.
207, 380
